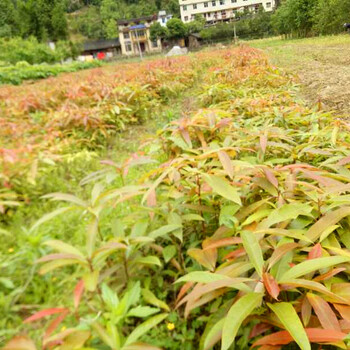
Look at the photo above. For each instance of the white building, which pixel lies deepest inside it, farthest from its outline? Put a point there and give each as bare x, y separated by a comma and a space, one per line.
220, 10
163, 18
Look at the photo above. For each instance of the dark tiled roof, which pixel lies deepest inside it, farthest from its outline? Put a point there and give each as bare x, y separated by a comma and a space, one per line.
101, 44
196, 35
137, 20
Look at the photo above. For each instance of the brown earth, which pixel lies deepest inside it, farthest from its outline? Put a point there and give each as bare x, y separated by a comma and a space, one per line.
323, 66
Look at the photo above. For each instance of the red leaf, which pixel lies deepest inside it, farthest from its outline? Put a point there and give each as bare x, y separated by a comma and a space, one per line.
20, 342
78, 292
280, 251
55, 323
329, 274
44, 313
152, 198
271, 177
315, 252
226, 163
263, 142
223, 242
258, 329
184, 290
315, 335
343, 310
344, 161
271, 285
306, 311
324, 312
235, 254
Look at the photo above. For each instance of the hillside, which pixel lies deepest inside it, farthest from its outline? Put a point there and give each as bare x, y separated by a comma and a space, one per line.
99, 20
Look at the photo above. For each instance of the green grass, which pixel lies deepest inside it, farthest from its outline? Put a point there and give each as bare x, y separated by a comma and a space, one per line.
293, 53
15, 75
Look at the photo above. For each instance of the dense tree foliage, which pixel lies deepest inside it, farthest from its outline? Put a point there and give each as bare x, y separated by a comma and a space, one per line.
249, 27
44, 19
47, 19
300, 18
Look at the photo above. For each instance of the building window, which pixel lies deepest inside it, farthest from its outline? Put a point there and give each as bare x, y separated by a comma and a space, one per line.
234, 1
185, 7
222, 2
208, 14
213, 3
268, 4
154, 43
195, 6
126, 35
223, 13
186, 18
205, 4
128, 47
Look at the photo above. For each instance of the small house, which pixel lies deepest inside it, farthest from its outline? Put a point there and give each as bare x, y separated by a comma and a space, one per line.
101, 48
163, 18
134, 36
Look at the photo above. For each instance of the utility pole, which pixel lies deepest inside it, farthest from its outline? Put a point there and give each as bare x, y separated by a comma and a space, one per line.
138, 44
235, 33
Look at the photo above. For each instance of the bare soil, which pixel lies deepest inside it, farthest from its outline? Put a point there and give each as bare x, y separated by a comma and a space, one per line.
323, 67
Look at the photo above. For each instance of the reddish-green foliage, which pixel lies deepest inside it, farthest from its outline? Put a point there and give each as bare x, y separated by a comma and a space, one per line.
249, 209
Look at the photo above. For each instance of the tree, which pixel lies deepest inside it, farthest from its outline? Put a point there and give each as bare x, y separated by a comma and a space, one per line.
8, 19
157, 31
44, 19
330, 15
176, 29
197, 25
294, 17
59, 22
109, 14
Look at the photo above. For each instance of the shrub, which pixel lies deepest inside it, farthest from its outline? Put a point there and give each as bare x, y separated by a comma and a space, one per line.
30, 50
247, 211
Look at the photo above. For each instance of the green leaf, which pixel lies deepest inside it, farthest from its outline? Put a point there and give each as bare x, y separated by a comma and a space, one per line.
7, 283
4, 232
139, 229
142, 311
52, 265
164, 230
144, 328
192, 217
176, 219
239, 311
331, 218
148, 260
201, 277
169, 252
105, 337
66, 198
91, 234
110, 297
64, 248
291, 321
131, 297
50, 216
213, 335
308, 266
150, 298
91, 280
286, 212
253, 249
223, 188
